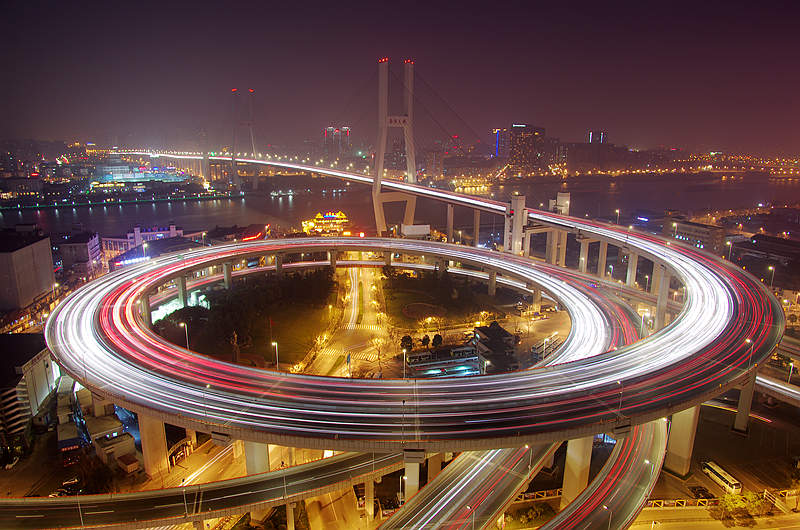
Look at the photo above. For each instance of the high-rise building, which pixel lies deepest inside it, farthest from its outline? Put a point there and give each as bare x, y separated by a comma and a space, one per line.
336, 141
598, 137
525, 148
500, 143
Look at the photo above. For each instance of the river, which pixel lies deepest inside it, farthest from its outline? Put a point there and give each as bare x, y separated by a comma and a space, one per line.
595, 196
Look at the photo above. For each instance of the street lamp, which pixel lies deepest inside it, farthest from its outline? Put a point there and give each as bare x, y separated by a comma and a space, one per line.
617, 211
530, 456
469, 507
674, 229
403, 478
404, 363
750, 353
185, 327
791, 369
144, 249
611, 267
277, 365
621, 390
55, 286
610, 515
647, 277
730, 249
772, 276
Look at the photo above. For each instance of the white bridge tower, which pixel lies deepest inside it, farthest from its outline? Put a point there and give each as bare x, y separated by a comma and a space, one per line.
405, 122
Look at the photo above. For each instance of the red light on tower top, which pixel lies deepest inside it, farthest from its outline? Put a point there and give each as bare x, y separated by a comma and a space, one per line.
409, 61
383, 60
252, 90
234, 90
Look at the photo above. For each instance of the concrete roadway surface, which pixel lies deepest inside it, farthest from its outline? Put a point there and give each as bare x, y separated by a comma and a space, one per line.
172, 506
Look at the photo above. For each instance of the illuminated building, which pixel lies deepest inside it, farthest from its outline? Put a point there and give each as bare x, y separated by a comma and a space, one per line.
598, 137
336, 141
525, 148
329, 223
500, 143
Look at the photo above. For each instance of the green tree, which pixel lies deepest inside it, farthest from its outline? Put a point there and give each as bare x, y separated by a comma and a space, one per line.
425, 341
437, 340
407, 343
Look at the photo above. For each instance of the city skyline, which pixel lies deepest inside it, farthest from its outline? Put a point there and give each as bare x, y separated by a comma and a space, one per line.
673, 77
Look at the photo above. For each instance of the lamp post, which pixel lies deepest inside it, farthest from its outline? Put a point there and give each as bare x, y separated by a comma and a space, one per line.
55, 286
730, 249
530, 456
750, 353
617, 211
791, 369
611, 268
610, 515
205, 403
469, 507
277, 365
403, 478
772, 275
404, 363
144, 249
647, 277
185, 506
621, 390
674, 229
185, 327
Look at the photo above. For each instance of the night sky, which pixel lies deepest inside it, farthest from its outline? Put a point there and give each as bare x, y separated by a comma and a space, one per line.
700, 75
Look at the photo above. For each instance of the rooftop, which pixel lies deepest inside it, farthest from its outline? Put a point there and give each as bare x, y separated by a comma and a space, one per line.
13, 240
17, 349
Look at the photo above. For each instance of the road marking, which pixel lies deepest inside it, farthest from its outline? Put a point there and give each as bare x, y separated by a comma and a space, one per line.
28, 516
99, 512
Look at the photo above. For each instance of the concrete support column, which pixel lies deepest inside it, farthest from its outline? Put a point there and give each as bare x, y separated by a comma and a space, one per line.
154, 445
517, 222
655, 281
411, 482
741, 422
441, 267
145, 308
181, 284
387, 258
601, 259
633, 260
492, 283
192, 435
476, 224
434, 466
562, 248
551, 250
584, 258
526, 244
450, 209
256, 457
576, 468
332, 254
408, 212
682, 431
663, 297
369, 499
226, 273
279, 265
289, 516
506, 233
537, 300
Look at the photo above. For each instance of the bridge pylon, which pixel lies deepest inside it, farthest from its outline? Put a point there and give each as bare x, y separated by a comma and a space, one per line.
385, 121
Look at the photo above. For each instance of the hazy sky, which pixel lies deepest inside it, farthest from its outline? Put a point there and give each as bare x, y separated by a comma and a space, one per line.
703, 75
